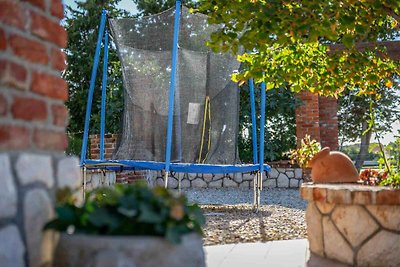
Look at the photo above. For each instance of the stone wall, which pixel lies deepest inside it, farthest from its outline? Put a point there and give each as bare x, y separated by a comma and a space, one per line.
276, 178
32, 128
353, 224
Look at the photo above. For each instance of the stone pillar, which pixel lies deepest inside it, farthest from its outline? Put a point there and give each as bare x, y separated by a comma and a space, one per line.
32, 128
307, 116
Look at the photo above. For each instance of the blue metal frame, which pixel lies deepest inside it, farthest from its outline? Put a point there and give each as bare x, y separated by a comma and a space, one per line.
262, 126
172, 85
253, 121
103, 96
91, 88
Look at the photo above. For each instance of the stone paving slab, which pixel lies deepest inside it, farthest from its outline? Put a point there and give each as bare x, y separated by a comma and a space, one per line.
286, 253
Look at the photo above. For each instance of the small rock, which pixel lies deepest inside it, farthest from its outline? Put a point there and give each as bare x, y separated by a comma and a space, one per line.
199, 183
35, 168
11, 248
283, 181
8, 192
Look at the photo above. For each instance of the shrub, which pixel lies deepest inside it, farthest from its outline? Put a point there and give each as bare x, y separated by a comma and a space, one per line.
128, 210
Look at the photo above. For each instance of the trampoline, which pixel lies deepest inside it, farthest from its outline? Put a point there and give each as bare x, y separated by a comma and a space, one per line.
181, 109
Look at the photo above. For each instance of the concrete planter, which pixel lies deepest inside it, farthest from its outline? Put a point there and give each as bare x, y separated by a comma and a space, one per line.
128, 251
352, 224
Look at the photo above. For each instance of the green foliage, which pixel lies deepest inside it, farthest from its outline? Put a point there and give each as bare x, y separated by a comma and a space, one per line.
288, 42
128, 210
82, 25
355, 110
307, 150
280, 125
74, 144
150, 7
353, 150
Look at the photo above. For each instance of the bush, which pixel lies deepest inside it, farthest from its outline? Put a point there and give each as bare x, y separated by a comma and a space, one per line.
128, 210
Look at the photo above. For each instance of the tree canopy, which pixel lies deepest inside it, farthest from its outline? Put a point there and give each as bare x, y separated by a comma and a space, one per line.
289, 41
82, 25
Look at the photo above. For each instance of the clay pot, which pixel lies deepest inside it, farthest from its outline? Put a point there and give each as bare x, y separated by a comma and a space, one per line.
332, 167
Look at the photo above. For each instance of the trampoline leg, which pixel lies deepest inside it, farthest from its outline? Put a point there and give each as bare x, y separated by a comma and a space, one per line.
256, 200
260, 175
84, 181
179, 183
166, 179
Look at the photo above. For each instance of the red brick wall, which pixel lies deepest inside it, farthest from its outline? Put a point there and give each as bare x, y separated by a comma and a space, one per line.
32, 111
328, 122
317, 117
110, 141
307, 116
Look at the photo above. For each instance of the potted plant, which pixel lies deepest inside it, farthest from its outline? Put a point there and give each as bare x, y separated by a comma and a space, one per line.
303, 155
128, 225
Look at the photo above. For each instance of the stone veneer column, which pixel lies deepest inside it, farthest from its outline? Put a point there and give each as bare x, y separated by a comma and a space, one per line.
32, 128
353, 224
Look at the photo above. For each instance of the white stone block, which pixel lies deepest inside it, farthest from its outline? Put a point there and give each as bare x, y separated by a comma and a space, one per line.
336, 248
238, 177
269, 183
229, 183
215, 184
382, 250
314, 229
244, 184
69, 173
273, 173
387, 215
356, 232
34, 168
8, 192
294, 183
283, 181
290, 174
185, 183
11, 247
172, 183
199, 183
298, 173
208, 177
248, 177
38, 210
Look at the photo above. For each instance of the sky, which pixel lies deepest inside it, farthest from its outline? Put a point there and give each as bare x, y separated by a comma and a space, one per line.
128, 5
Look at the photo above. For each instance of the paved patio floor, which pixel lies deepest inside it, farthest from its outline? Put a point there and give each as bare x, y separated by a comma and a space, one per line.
287, 253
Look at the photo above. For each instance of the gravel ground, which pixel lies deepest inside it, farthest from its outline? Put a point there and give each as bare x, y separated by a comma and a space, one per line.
230, 216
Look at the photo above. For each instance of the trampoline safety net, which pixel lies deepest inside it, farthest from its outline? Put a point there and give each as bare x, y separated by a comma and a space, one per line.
206, 110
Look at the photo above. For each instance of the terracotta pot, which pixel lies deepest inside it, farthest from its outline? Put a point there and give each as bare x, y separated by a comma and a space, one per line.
128, 251
332, 167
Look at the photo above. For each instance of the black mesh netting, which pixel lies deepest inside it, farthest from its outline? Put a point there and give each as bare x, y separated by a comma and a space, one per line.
145, 51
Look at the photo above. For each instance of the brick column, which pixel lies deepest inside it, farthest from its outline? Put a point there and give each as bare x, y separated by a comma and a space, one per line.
307, 116
32, 128
328, 122
317, 117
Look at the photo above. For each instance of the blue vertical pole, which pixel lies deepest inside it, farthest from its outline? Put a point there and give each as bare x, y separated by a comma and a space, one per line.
91, 88
172, 85
262, 126
103, 96
253, 121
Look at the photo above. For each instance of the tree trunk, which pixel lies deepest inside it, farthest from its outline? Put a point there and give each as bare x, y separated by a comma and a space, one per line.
364, 146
